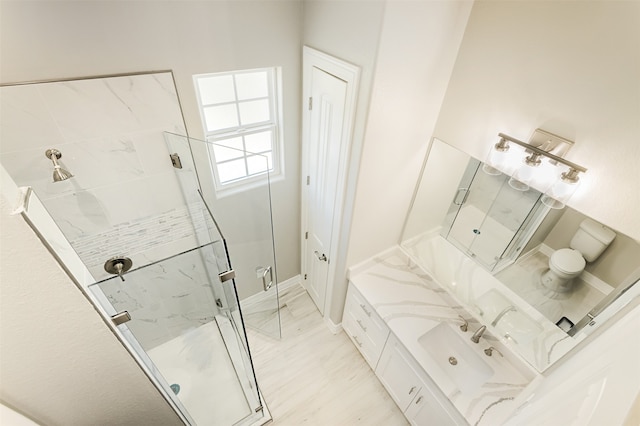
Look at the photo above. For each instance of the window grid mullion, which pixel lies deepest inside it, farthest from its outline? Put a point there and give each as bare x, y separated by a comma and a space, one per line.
250, 154
238, 101
237, 104
244, 156
243, 131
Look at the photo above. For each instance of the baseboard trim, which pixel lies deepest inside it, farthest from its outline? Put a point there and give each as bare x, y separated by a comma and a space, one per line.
332, 326
291, 282
282, 286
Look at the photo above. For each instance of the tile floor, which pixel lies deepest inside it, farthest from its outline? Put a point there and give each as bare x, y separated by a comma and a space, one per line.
313, 377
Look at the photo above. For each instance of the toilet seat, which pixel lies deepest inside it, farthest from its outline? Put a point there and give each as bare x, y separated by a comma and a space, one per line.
567, 261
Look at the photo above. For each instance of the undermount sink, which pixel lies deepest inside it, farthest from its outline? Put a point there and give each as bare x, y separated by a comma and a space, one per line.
456, 358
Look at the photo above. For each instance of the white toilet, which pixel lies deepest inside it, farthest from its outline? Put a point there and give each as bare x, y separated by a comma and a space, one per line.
588, 243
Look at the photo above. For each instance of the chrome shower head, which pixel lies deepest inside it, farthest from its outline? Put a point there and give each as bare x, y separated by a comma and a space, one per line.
59, 174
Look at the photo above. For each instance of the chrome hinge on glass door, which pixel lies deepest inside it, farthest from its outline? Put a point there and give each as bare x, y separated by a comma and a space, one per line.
121, 318
226, 276
175, 160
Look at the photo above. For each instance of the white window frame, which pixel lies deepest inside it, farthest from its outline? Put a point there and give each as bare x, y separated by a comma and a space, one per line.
219, 136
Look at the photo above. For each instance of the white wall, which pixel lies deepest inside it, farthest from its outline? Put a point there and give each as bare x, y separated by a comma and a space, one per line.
418, 46
568, 67
59, 362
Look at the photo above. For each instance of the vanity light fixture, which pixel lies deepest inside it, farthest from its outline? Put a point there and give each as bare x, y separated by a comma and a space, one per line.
541, 167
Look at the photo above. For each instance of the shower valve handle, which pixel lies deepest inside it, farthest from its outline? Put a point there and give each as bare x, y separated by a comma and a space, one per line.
118, 265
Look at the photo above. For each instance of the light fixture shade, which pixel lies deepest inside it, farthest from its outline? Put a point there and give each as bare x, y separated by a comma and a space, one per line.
518, 184
535, 172
561, 191
523, 175
546, 175
502, 159
536, 166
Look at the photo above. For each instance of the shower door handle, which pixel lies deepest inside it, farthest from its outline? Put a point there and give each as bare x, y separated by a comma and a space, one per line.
457, 200
266, 271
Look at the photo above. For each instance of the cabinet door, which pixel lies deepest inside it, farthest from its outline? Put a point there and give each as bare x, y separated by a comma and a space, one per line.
397, 374
426, 411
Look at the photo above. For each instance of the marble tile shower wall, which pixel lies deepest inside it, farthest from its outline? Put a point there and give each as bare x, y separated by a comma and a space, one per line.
167, 299
125, 197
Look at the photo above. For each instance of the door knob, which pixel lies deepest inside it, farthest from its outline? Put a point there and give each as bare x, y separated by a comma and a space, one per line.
321, 258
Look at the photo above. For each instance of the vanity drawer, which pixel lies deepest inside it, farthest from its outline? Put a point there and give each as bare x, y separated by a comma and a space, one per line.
365, 317
369, 349
365, 328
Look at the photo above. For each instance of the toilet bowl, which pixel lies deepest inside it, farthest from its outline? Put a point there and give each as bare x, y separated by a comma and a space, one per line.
564, 265
587, 244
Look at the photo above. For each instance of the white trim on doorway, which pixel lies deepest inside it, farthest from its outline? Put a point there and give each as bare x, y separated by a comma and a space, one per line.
351, 75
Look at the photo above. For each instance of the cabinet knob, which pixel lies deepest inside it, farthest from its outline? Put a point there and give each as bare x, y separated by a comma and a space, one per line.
412, 390
419, 400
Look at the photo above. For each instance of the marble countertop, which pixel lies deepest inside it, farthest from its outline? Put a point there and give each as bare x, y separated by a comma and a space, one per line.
411, 303
526, 331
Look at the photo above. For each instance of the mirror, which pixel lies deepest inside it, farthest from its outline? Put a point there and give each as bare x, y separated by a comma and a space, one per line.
490, 246
490, 220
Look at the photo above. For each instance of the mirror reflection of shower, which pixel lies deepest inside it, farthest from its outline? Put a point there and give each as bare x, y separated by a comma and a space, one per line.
59, 174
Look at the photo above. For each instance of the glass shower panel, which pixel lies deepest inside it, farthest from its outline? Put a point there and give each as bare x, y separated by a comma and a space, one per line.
504, 218
487, 214
245, 216
177, 319
470, 205
131, 199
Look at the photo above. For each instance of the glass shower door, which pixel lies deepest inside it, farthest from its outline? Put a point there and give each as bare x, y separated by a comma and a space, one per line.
245, 216
175, 312
486, 214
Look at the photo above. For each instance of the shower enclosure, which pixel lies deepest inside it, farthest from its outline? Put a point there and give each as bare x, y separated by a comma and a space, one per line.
490, 220
130, 225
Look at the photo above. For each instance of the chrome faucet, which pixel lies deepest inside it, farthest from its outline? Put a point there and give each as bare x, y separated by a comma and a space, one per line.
479, 332
465, 325
501, 314
489, 351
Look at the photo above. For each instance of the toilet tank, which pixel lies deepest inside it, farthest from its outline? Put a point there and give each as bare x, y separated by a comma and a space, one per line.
591, 239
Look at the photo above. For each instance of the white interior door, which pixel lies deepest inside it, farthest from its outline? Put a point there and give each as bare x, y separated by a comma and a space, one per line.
326, 111
330, 88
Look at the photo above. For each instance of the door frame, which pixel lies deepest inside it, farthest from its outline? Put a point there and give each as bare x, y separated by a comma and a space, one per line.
351, 75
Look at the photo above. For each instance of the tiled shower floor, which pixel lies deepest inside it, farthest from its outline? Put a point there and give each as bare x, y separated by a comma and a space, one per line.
199, 363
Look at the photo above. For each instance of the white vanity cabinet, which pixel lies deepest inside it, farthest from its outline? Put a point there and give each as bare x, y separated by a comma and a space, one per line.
365, 328
413, 391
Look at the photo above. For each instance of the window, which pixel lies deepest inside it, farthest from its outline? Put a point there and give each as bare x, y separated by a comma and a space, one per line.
241, 116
